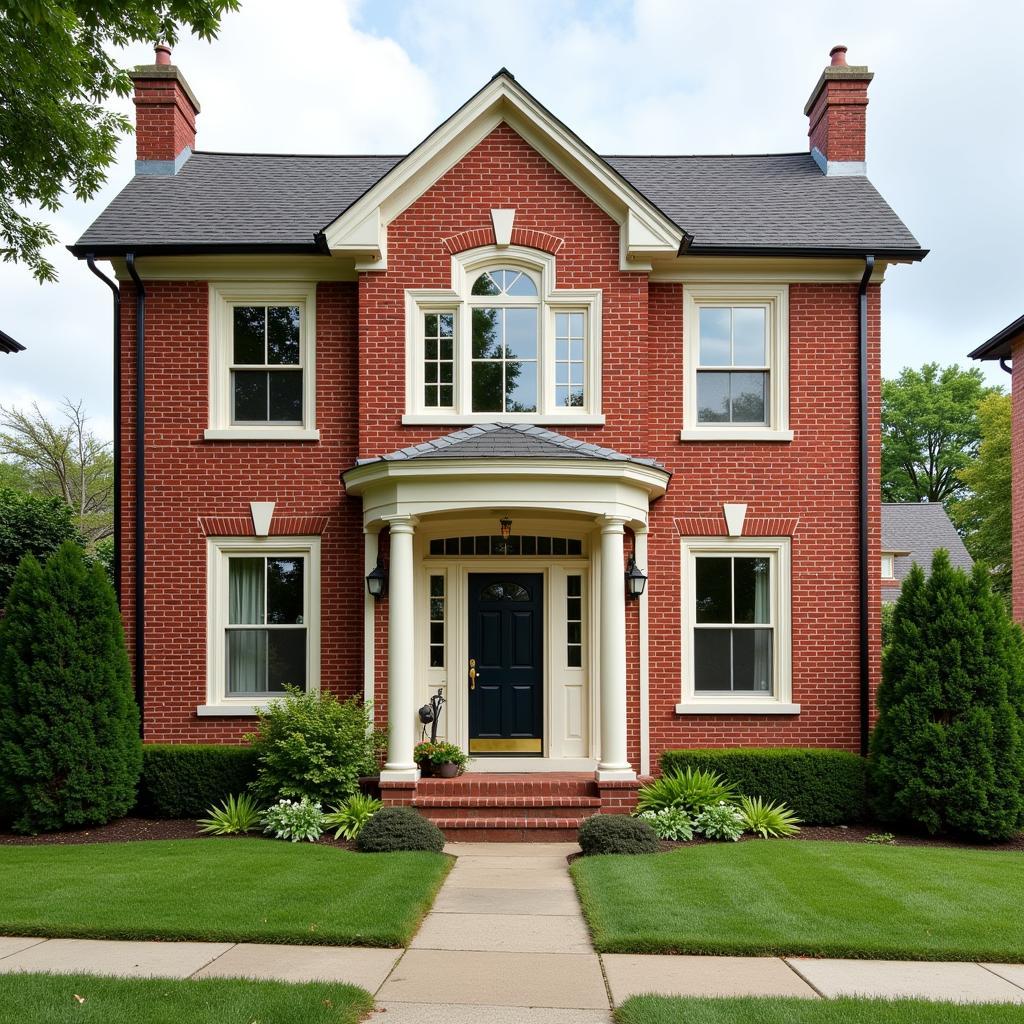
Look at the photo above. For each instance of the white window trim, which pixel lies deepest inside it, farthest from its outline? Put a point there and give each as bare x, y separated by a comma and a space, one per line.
465, 267
775, 299
780, 702
223, 297
889, 556
218, 550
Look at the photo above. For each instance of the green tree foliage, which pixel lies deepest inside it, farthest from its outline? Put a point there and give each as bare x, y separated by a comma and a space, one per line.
930, 431
57, 67
63, 459
70, 753
984, 516
30, 526
947, 753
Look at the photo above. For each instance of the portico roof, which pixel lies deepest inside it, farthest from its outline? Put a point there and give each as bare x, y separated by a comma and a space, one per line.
508, 440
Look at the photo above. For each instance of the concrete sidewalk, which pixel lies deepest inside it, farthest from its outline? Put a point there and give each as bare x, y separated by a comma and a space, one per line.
506, 942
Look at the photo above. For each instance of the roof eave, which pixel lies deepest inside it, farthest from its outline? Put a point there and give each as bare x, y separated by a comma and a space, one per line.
893, 254
1000, 345
108, 250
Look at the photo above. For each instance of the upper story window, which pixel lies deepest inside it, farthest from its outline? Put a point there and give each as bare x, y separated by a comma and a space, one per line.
262, 366
503, 343
888, 566
737, 363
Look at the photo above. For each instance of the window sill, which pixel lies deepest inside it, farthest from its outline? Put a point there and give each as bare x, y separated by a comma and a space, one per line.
229, 710
740, 434
749, 707
581, 419
261, 434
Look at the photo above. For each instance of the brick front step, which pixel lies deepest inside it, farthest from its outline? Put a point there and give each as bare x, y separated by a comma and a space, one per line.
507, 800
507, 809
510, 829
509, 785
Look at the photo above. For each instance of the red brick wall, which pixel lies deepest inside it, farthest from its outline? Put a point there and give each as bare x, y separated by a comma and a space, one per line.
165, 120
837, 121
1017, 455
812, 480
187, 477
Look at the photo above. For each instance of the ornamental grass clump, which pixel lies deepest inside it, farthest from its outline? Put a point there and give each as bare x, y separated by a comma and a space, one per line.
766, 819
691, 789
294, 820
350, 818
235, 816
947, 754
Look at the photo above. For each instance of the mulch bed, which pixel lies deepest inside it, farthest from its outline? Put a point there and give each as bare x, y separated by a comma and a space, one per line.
130, 830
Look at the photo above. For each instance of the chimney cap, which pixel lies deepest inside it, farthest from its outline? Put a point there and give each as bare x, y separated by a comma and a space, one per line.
163, 54
837, 53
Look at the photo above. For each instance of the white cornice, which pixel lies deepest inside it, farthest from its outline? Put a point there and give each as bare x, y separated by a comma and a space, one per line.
273, 268
362, 230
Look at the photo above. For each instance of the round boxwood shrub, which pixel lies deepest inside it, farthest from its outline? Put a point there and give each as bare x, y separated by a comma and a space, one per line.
70, 753
400, 828
947, 754
616, 833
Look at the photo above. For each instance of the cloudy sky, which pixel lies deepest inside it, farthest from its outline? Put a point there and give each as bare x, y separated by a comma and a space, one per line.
651, 76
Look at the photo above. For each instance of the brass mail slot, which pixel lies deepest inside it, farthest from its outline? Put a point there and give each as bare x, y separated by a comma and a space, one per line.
506, 746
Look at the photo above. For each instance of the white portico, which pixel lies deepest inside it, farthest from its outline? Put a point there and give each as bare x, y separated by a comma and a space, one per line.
543, 612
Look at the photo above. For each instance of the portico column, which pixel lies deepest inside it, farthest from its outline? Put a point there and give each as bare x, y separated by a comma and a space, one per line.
613, 765
400, 765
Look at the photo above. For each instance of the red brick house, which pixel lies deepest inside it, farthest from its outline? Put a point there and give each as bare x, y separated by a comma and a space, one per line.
511, 373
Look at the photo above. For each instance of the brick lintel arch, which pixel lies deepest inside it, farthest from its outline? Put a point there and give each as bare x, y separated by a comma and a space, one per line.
477, 238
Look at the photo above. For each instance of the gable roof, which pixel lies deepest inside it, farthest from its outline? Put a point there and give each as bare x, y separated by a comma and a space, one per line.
1000, 345
8, 344
915, 531
244, 202
508, 440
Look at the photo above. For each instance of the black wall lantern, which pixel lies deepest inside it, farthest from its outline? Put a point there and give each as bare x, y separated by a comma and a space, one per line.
636, 578
505, 524
377, 581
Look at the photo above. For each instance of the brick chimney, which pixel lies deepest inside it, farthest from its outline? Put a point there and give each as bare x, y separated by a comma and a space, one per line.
165, 116
837, 115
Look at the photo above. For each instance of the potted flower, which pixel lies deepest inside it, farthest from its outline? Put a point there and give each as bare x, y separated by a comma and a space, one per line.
448, 760
422, 755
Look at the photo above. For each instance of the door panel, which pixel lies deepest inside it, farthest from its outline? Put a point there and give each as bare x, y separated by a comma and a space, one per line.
506, 707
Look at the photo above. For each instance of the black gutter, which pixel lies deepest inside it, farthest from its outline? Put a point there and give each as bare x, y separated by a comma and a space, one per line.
808, 252
90, 260
1004, 367
1000, 345
107, 250
140, 486
865, 648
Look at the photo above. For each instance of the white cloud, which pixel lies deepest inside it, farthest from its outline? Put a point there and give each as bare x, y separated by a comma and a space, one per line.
651, 76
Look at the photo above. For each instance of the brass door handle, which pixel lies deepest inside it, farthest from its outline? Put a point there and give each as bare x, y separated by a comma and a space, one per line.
472, 673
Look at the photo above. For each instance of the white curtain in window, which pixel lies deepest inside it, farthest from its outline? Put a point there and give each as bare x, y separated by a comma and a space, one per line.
247, 648
762, 637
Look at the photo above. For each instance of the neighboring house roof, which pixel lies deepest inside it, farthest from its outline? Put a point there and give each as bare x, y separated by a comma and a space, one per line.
1000, 345
914, 531
507, 440
235, 201
8, 344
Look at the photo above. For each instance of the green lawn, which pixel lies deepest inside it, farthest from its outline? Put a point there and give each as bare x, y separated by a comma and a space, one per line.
669, 1010
808, 898
245, 890
54, 999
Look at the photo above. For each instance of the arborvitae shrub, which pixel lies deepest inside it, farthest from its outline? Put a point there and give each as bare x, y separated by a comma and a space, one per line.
70, 753
947, 754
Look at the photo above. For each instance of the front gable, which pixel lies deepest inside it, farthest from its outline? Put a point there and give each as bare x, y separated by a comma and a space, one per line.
362, 230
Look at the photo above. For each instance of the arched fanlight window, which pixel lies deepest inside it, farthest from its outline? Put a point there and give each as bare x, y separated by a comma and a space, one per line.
504, 281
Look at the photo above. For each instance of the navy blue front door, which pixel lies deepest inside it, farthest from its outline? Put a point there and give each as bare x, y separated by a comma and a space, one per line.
506, 697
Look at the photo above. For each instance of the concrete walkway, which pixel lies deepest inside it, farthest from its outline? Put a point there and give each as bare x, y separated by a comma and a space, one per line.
506, 942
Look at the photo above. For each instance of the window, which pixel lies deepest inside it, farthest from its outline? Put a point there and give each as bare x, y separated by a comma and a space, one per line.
261, 362
437, 620
503, 343
736, 642
888, 566
264, 620
574, 620
736, 358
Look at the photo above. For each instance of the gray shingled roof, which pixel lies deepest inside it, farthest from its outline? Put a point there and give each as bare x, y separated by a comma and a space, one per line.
919, 529
508, 440
9, 345
238, 201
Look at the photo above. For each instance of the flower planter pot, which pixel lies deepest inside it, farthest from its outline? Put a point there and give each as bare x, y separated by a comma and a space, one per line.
426, 769
448, 770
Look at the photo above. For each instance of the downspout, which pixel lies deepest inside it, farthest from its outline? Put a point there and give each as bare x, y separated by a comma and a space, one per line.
90, 260
140, 485
1004, 366
865, 647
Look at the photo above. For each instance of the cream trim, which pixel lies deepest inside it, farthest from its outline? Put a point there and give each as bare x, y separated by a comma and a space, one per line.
465, 266
775, 300
779, 550
223, 297
641, 555
768, 269
272, 269
362, 229
218, 549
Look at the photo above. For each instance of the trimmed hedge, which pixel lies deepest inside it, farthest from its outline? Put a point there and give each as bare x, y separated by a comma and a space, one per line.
616, 833
821, 786
184, 780
400, 828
